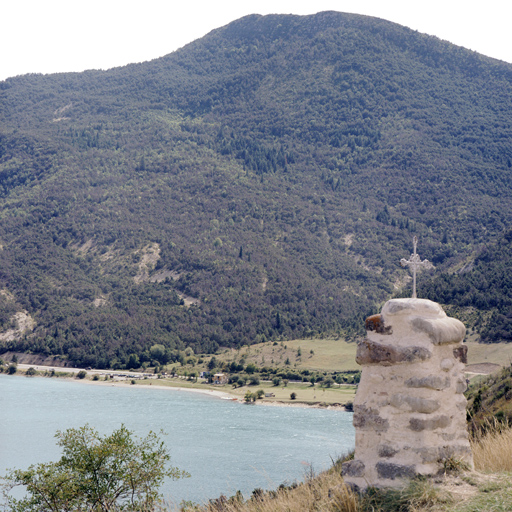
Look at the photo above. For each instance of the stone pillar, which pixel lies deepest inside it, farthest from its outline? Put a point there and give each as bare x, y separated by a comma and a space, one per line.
409, 410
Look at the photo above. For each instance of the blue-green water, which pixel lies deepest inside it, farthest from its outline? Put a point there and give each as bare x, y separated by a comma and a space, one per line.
226, 446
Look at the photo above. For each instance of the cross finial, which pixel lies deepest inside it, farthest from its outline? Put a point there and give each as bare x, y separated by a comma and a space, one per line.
415, 263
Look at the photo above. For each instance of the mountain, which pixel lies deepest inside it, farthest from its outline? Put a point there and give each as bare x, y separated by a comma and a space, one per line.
480, 290
262, 182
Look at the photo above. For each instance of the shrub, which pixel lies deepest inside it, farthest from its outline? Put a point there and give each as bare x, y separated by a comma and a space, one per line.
249, 397
116, 472
328, 382
81, 374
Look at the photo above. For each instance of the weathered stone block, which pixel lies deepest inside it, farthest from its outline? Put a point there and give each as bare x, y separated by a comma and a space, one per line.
440, 453
460, 385
369, 419
461, 353
441, 331
386, 451
390, 471
414, 403
409, 307
376, 323
447, 364
430, 381
353, 468
420, 424
371, 352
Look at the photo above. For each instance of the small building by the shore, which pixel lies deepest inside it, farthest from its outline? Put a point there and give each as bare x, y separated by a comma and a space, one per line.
220, 378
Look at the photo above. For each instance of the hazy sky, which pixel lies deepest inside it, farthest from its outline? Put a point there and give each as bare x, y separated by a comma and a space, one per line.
47, 36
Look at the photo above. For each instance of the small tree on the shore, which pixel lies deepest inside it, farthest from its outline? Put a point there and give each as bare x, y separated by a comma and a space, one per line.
111, 473
250, 397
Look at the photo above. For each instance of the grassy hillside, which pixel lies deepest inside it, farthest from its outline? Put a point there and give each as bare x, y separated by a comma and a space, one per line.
261, 183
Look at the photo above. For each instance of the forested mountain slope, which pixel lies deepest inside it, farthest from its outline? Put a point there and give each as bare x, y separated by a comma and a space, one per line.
261, 182
483, 285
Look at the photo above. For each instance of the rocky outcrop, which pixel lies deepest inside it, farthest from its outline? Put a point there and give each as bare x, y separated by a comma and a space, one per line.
409, 410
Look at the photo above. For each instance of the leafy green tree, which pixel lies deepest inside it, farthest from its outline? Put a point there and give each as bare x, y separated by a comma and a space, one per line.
254, 381
157, 352
328, 382
113, 473
133, 361
251, 368
250, 397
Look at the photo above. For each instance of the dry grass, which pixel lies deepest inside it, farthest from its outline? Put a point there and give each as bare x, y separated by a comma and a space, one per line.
496, 353
463, 491
493, 451
326, 493
315, 354
420, 495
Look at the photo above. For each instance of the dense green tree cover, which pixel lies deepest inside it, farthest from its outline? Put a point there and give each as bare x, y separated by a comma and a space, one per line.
484, 283
262, 182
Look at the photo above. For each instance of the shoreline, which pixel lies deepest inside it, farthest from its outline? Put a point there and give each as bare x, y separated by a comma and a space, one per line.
214, 393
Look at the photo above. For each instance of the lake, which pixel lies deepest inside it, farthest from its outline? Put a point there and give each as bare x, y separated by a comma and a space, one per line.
226, 446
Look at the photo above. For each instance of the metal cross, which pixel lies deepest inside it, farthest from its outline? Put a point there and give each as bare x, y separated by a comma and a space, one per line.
415, 263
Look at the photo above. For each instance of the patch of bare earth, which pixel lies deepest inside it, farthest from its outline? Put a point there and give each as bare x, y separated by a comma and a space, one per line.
149, 256
463, 487
35, 359
162, 275
99, 301
84, 248
158, 277
23, 322
348, 239
189, 301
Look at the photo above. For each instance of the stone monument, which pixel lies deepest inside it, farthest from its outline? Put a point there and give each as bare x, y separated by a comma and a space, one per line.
409, 410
